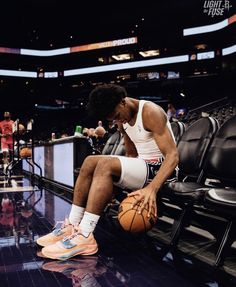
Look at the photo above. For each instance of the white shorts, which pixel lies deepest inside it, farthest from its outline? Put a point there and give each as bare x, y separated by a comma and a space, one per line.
133, 173
136, 172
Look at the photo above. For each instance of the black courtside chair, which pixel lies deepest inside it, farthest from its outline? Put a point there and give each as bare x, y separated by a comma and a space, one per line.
209, 191
114, 141
193, 147
222, 201
221, 164
178, 129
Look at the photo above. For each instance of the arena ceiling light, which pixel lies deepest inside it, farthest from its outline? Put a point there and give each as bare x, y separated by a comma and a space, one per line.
15, 73
149, 53
129, 65
210, 28
206, 28
68, 50
121, 66
229, 50
122, 57
205, 55
201, 46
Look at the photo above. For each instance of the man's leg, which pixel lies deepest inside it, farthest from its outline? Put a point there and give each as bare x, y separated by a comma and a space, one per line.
81, 192
83, 184
5, 151
101, 188
11, 151
100, 193
5, 160
5, 157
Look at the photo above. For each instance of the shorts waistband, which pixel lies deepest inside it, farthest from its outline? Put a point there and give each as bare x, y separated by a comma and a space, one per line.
154, 160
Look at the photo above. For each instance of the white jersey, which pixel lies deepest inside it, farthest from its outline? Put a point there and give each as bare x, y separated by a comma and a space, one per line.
145, 144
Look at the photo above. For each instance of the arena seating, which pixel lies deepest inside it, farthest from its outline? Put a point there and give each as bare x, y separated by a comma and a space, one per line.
178, 129
221, 110
120, 149
114, 145
223, 202
192, 148
218, 170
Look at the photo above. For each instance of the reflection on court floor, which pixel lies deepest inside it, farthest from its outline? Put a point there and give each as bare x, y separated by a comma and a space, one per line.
27, 212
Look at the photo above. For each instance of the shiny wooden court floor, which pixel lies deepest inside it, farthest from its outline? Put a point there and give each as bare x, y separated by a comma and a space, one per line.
122, 260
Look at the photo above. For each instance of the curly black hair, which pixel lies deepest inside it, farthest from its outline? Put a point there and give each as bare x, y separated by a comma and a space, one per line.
104, 99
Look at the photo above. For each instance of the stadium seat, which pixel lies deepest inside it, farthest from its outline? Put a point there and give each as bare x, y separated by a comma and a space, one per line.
218, 172
221, 165
112, 144
120, 149
223, 202
193, 147
178, 129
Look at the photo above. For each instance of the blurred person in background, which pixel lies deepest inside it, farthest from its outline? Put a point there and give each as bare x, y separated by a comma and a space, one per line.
6, 137
100, 124
101, 137
171, 112
86, 133
100, 132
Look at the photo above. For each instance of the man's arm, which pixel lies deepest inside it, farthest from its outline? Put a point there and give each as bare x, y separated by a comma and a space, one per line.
155, 120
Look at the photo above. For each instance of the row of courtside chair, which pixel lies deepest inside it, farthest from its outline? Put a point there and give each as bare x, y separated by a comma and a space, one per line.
206, 184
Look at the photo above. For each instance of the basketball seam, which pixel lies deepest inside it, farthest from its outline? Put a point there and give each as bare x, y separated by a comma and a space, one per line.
144, 223
132, 221
135, 213
124, 213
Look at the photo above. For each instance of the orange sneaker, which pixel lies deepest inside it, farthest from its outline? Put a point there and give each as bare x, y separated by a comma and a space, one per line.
76, 244
57, 234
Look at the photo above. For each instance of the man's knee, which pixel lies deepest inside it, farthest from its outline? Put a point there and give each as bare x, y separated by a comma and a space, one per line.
108, 166
89, 164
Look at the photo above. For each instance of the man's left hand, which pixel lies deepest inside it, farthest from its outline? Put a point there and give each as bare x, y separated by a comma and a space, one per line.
146, 198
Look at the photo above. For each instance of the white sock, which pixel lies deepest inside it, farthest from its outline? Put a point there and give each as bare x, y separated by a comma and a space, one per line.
88, 223
76, 214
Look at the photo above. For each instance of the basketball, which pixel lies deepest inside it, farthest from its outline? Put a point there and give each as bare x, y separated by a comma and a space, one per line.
25, 152
131, 220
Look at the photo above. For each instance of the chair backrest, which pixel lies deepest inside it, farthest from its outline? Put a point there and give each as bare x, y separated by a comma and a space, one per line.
194, 144
178, 129
112, 143
120, 150
221, 159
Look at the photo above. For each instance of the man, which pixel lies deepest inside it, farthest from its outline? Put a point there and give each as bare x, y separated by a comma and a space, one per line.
101, 137
171, 112
6, 137
151, 158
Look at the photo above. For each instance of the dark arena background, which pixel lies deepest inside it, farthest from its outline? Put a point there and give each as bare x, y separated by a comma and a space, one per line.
52, 55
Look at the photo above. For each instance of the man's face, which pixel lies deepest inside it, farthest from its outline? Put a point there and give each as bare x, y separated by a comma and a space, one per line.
7, 115
121, 113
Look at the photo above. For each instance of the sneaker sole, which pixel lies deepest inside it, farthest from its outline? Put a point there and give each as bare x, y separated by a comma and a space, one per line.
73, 255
